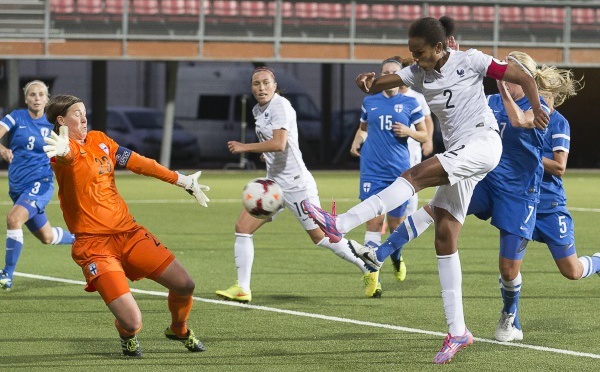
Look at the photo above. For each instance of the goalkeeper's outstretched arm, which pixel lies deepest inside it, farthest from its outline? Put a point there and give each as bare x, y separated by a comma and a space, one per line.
139, 164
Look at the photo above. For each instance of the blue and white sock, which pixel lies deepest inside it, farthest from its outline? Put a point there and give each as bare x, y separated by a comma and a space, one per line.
413, 226
511, 291
61, 236
591, 265
14, 246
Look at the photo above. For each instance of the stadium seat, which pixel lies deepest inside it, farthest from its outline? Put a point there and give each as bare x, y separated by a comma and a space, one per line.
383, 12
173, 7
257, 9
145, 7
483, 14
306, 10
225, 8
460, 13
193, 7
114, 7
287, 9
409, 12
89, 6
62, 6
362, 11
511, 14
583, 16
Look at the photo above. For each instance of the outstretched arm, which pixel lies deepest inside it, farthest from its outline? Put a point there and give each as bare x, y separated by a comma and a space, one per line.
369, 84
149, 167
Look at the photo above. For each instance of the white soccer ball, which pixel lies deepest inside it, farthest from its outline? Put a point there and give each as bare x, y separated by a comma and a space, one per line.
262, 198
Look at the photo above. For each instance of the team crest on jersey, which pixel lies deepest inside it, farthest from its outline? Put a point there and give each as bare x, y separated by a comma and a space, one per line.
460, 72
366, 186
104, 147
398, 107
93, 269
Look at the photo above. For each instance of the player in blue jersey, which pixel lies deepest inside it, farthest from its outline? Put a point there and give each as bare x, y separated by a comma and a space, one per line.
30, 178
554, 224
382, 144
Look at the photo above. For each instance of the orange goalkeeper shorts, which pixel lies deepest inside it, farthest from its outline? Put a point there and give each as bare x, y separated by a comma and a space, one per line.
136, 252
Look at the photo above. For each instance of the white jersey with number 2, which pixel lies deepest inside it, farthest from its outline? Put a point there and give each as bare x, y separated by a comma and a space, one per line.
455, 94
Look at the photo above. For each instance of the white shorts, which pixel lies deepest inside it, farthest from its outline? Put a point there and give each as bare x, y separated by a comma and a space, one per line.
292, 201
466, 164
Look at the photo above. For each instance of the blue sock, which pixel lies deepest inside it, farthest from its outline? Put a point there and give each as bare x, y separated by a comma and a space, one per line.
62, 236
511, 291
14, 246
591, 265
413, 226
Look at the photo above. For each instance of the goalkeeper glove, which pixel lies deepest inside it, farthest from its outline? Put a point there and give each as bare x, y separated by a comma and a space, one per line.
57, 145
191, 185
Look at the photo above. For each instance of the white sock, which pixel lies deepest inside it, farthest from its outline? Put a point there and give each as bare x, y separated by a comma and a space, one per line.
451, 281
389, 198
373, 236
413, 205
244, 257
341, 249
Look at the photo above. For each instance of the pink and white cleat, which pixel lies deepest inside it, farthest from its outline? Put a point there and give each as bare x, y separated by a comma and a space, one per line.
324, 220
452, 345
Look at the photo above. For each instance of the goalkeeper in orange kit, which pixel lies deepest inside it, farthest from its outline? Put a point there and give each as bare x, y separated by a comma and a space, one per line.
110, 246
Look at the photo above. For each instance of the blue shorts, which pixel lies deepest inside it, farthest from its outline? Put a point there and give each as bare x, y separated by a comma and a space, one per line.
508, 212
34, 198
556, 229
371, 187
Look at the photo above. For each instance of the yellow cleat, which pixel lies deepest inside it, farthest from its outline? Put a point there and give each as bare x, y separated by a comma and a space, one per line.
235, 293
399, 269
372, 285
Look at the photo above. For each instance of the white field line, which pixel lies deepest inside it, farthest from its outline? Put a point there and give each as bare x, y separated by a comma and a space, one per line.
226, 201
330, 318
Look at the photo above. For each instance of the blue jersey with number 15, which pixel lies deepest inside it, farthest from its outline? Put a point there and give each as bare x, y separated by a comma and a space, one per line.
384, 156
30, 163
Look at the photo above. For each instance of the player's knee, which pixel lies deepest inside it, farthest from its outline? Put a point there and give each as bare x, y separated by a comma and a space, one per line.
571, 273
186, 287
13, 222
46, 239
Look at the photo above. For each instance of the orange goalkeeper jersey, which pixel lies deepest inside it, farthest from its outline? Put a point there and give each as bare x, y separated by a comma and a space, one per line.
88, 194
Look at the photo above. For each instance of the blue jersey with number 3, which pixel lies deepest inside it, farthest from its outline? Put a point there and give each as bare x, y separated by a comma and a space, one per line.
384, 156
29, 163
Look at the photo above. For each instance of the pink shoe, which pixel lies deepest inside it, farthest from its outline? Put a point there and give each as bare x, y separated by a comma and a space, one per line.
324, 220
452, 345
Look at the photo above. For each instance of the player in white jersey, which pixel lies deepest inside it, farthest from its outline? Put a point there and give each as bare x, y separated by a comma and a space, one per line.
277, 132
451, 82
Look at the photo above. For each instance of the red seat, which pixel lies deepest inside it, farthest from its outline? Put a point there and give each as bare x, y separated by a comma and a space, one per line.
330, 10
287, 9
253, 9
89, 6
306, 10
409, 12
193, 7
145, 7
362, 11
457, 12
583, 16
383, 12
483, 13
113, 6
62, 6
225, 8
511, 14
173, 7
543, 15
